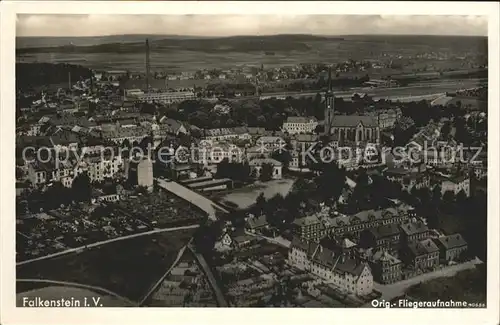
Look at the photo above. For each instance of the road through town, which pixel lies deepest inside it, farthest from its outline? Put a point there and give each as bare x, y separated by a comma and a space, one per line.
221, 301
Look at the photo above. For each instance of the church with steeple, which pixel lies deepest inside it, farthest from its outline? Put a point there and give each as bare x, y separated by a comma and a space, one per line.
347, 128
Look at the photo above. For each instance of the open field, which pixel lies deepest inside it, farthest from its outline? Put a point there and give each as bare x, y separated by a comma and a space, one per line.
189, 54
246, 196
129, 267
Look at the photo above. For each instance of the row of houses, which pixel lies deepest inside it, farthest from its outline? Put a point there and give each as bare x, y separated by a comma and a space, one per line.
317, 226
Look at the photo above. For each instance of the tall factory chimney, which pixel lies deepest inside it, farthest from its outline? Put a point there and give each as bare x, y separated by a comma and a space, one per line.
147, 65
69, 80
329, 105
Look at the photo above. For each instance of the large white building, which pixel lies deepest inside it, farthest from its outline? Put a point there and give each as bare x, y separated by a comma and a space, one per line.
257, 164
98, 169
299, 124
166, 97
349, 275
145, 173
456, 185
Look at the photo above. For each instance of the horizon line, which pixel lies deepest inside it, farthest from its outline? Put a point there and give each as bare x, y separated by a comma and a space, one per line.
253, 35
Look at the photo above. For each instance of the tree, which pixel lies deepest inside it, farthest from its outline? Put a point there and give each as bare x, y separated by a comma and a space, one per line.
449, 197
445, 130
266, 172
260, 203
283, 156
81, 188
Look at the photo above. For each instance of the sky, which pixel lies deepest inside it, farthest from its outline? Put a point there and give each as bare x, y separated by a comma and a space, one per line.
229, 25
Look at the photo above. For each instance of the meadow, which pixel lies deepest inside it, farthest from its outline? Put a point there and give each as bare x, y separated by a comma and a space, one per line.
190, 54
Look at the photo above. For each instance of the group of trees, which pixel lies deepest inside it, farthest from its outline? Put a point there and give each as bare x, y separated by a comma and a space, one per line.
268, 113
31, 75
56, 194
239, 172
242, 173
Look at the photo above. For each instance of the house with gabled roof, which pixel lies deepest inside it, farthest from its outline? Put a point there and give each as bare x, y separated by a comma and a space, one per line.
451, 247
349, 275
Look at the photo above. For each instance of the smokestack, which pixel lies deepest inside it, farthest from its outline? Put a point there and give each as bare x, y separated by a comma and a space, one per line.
329, 79
147, 65
69, 80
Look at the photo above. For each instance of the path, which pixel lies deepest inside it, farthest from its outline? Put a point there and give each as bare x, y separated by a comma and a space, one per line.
158, 283
72, 250
394, 290
278, 240
192, 197
208, 272
79, 285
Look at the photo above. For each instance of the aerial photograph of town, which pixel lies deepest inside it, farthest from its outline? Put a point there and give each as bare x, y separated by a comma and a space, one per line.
197, 161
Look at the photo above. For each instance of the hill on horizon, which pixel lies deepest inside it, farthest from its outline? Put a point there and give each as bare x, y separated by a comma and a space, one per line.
135, 43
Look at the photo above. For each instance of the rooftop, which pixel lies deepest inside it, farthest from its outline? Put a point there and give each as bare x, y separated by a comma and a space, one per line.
413, 228
354, 120
424, 247
451, 241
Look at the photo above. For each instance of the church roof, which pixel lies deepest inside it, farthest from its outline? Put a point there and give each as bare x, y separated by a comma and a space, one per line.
353, 121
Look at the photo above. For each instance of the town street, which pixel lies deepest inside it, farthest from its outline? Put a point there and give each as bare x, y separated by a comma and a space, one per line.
206, 269
277, 240
158, 283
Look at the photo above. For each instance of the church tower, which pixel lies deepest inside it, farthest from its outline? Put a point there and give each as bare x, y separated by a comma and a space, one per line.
329, 105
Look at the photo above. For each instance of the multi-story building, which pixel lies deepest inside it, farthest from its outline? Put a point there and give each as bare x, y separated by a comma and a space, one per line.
120, 134
270, 143
256, 166
42, 173
385, 267
413, 231
167, 97
387, 118
384, 237
299, 124
422, 254
456, 184
367, 219
99, 169
225, 134
451, 247
349, 275
409, 178
309, 228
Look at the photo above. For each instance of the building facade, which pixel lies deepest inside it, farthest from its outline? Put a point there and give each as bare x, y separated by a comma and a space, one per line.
422, 254
348, 275
451, 247
309, 228
385, 267
298, 125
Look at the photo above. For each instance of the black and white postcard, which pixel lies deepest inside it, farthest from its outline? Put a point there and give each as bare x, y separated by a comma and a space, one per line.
198, 156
